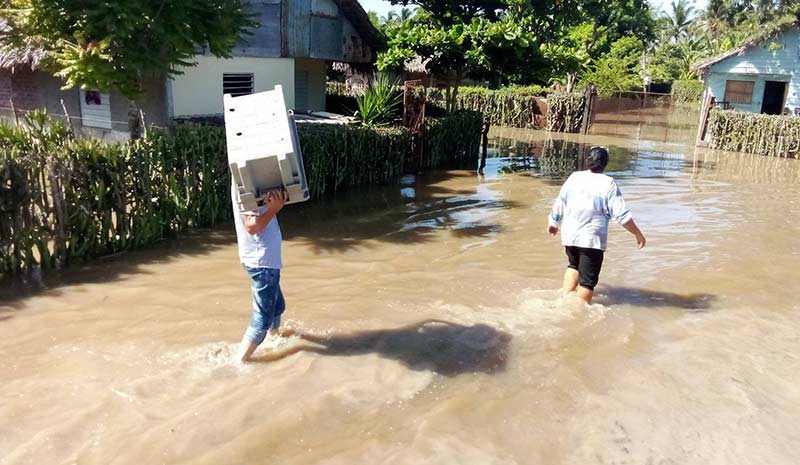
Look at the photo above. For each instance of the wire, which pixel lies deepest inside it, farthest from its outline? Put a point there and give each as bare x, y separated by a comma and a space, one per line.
75, 117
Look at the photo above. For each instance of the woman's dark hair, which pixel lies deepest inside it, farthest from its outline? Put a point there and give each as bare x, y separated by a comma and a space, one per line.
597, 159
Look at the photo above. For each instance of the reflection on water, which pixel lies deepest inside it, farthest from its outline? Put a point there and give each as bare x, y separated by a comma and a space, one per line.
428, 328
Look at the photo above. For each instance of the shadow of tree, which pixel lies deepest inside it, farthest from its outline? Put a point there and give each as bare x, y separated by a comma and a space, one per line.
440, 346
649, 298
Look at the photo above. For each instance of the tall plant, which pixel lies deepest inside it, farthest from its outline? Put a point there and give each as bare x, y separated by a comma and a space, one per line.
380, 102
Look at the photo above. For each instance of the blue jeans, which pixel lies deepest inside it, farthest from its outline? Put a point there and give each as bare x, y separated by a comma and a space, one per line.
268, 303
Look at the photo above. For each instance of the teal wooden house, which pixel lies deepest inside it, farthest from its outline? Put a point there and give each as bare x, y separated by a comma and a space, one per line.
761, 76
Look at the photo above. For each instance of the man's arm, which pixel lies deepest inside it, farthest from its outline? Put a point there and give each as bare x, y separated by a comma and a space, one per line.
620, 213
630, 225
254, 224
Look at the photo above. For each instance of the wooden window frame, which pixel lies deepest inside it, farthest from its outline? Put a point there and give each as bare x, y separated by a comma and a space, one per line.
740, 93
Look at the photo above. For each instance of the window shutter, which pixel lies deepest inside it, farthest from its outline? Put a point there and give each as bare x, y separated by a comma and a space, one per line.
237, 84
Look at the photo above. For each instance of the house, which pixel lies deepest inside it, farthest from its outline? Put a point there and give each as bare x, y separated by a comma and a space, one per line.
293, 47
760, 76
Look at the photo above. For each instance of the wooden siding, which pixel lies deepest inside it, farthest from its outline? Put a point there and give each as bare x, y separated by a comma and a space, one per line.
304, 29
299, 28
759, 64
265, 41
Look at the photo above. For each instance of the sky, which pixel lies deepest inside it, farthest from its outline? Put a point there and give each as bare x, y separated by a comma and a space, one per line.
383, 6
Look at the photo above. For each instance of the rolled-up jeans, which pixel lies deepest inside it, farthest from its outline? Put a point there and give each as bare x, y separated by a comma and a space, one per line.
268, 303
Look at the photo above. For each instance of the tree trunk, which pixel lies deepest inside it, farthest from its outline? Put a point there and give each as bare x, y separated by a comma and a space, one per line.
134, 121
454, 104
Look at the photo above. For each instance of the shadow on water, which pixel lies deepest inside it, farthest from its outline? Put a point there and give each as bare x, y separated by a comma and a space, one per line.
412, 212
111, 268
439, 346
649, 298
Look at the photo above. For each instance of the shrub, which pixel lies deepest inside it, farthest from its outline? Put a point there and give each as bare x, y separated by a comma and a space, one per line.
514, 106
380, 102
455, 138
687, 91
565, 111
739, 131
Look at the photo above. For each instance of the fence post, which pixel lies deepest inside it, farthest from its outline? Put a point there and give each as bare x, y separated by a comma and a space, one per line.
14, 111
69, 118
485, 143
705, 110
588, 108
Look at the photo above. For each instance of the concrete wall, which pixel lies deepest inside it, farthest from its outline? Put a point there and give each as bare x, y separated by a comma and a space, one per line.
199, 90
32, 90
759, 64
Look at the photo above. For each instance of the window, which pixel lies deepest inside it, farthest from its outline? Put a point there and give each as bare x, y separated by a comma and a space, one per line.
237, 84
739, 92
95, 109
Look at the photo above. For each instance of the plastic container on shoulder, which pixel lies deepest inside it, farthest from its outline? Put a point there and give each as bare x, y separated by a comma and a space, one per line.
263, 148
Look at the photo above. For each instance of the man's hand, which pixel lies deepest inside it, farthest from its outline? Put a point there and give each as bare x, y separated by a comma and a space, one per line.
630, 225
640, 240
552, 230
276, 201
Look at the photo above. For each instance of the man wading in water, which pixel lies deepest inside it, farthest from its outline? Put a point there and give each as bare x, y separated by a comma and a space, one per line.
582, 209
259, 237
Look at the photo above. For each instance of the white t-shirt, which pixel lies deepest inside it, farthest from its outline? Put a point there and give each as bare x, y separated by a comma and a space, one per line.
583, 207
261, 250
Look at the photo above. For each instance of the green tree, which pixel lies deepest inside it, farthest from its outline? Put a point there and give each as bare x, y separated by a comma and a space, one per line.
620, 69
574, 52
679, 18
116, 45
454, 49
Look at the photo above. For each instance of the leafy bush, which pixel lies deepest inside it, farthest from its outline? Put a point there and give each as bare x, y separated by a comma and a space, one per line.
739, 131
620, 69
687, 91
379, 104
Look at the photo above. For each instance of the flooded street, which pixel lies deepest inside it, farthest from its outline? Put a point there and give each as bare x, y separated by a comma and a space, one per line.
430, 328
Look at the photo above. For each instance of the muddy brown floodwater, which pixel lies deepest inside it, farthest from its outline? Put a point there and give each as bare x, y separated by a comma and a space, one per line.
434, 331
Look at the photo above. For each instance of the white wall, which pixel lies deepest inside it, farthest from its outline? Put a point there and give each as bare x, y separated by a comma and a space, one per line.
199, 90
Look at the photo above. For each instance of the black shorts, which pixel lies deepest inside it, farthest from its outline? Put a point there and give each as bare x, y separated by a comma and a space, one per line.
588, 263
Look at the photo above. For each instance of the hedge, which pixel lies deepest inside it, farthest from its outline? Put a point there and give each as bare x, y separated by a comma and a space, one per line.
687, 91
515, 106
454, 139
739, 131
64, 200
565, 111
